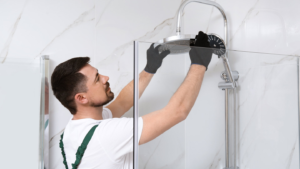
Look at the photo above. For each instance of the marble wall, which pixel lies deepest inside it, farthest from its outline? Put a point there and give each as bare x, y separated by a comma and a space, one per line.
104, 30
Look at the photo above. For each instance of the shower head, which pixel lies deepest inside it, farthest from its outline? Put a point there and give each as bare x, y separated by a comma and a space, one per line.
180, 44
177, 44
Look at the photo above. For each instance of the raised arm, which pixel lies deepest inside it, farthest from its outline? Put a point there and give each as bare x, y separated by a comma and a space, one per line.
124, 101
182, 101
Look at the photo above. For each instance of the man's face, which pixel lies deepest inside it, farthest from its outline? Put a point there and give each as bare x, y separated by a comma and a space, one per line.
99, 92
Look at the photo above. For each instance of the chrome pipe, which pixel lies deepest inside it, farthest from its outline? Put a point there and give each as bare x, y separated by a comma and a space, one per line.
206, 2
219, 7
226, 130
234, 130
298, 80
135, 106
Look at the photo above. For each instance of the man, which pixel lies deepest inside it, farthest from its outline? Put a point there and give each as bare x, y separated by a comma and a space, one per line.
84, 92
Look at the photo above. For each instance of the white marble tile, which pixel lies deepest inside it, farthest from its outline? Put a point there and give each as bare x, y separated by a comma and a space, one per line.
11, 13
268, 111
134, 20
267, 107
256, 25
42, 27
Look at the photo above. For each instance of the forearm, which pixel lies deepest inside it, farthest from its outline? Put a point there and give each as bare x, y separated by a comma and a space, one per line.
186, 95
144, 80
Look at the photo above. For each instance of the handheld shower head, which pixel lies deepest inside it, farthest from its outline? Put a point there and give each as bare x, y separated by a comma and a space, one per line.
217, 44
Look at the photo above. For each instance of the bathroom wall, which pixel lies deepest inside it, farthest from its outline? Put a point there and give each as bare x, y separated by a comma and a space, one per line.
267, 93
104, 30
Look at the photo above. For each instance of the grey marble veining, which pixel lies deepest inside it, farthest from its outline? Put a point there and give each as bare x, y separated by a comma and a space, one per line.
5, 49
86, 16
119, 51
243, 21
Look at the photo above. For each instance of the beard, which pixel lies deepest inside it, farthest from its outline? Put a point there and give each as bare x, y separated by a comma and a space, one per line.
109, 97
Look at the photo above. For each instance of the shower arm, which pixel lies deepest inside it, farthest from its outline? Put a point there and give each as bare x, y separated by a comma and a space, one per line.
211, 3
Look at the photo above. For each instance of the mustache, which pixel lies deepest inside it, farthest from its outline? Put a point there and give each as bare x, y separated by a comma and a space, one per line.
107, 85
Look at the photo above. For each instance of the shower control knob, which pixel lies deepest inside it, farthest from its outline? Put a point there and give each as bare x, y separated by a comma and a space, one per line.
217, 44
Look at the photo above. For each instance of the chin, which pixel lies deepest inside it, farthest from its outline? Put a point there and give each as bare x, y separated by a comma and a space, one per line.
110, 95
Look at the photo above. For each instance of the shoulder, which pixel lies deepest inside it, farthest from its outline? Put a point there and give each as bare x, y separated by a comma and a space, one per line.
115, 125
106, 113
118, 125
117, 122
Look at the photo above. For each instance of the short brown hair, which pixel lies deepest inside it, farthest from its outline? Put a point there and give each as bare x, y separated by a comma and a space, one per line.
67, 81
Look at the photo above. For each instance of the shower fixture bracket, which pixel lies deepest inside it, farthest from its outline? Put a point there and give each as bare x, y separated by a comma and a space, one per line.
227, 84
230, 82
235, 74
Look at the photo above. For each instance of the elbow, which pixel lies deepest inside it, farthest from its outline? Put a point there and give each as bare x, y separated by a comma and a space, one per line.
178, 110
183, 112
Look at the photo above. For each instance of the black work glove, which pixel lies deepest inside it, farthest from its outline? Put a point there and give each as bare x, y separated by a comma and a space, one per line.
201, 56
154, 58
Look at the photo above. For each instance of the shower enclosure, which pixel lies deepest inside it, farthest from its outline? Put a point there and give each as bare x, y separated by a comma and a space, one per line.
230, 77
253, 124
263, 112
24, 124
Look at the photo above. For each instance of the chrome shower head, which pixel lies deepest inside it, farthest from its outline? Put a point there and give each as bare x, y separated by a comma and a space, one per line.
180, 44
177, 44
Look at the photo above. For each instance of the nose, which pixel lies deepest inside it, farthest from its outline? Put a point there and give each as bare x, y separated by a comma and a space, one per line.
105, 78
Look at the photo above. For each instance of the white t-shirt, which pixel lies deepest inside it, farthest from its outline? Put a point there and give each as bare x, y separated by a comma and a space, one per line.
111, 146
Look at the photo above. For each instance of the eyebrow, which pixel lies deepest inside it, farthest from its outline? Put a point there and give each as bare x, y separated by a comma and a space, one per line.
96, 76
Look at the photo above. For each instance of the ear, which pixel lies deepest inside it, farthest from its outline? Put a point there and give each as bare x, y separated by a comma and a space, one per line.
80, 98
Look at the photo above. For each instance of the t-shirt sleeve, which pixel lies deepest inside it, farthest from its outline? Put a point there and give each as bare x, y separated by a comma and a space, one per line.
106, 113
116, 136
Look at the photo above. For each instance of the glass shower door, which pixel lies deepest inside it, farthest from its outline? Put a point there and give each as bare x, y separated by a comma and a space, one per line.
167, 149
23, 105
266, 114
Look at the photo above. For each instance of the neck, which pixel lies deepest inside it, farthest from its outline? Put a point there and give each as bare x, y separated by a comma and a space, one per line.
89, 112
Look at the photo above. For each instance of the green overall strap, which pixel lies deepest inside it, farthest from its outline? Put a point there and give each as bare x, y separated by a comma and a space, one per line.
81, 149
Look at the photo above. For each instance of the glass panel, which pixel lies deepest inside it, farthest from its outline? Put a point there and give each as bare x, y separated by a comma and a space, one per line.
20, 94
266, 114
167, 149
